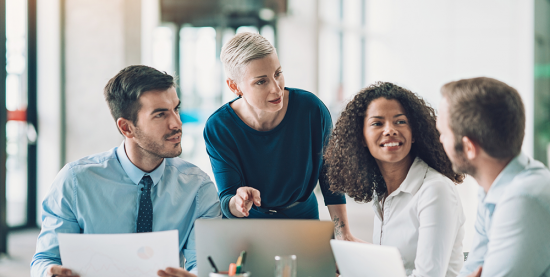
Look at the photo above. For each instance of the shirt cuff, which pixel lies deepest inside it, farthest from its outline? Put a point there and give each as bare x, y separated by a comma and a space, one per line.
225, 206
335, 200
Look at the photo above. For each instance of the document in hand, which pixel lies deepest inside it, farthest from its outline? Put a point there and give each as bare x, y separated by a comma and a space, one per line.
120, 255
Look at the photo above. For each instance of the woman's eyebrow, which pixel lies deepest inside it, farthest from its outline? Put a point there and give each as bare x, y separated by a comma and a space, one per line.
266, 75
381, 117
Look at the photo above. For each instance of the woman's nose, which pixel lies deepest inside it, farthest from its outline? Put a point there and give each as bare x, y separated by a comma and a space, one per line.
389, 130
276, 86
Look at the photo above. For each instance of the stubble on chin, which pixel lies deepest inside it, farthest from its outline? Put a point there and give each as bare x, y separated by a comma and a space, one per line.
157, 148
461, 165
178, 150
177, 147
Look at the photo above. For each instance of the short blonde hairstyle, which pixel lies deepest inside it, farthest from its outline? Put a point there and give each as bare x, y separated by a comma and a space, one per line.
241, 50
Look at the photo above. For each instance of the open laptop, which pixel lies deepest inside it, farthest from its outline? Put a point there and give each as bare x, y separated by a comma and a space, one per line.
356, 259
224, 239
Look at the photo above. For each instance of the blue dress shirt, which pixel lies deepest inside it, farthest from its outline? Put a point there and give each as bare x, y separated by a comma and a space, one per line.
100, 194
513, 223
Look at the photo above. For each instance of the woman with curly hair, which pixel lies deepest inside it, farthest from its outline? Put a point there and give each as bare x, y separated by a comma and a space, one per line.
385, 148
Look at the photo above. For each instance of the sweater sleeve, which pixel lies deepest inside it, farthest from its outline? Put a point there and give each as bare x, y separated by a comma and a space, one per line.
228, 178
330, 198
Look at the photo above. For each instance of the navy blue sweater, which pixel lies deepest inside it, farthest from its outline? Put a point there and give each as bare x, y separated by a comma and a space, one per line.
284, 163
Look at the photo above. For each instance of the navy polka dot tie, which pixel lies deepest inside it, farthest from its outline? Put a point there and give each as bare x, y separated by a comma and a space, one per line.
145, 213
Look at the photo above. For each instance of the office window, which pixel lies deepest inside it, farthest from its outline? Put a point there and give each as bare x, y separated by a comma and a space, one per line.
342, 49
18, 132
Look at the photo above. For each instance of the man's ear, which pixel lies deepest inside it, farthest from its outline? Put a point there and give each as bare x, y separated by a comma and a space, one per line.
126, 127
233, 87
470, 148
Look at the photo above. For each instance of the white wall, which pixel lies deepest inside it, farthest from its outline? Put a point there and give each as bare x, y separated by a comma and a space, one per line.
297, 45
94, 54
424, 44
101, 38
49, 98
420, 45
150, 19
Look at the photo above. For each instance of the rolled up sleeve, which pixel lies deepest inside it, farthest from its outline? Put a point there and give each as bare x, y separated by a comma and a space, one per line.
58, 216
209, 207
479, 245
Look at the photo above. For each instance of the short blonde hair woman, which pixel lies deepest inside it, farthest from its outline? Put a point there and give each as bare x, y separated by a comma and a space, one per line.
266, 145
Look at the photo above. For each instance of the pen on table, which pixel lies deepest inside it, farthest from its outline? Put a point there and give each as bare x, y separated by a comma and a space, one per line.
213, 264
238, 268
243, 261
240, 262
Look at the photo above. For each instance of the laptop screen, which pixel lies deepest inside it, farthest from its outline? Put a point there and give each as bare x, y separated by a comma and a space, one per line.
224, 239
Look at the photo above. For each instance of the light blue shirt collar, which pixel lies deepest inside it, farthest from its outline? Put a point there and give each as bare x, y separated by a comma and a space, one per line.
134, 172
505, 178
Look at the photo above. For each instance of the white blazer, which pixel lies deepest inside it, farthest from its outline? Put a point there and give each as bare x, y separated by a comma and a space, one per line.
424, 219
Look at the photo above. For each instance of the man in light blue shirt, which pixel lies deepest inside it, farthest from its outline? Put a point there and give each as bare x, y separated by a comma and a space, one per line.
140, 186
482, 125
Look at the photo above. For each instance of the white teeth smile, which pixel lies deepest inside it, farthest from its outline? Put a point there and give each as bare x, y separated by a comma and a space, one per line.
391, 144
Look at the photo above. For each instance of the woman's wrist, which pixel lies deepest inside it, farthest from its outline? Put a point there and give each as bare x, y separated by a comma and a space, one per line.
233, 208
344, 233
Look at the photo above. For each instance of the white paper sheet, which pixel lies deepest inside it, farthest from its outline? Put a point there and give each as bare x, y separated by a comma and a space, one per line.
140, 254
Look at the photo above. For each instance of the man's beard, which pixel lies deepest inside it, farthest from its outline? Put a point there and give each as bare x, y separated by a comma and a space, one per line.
461, 165
156, 148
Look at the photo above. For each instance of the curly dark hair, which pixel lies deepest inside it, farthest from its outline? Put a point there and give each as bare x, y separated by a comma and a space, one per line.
349, 166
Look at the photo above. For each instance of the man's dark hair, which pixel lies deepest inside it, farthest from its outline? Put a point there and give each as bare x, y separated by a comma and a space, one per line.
488, 112
350, 167
122, 92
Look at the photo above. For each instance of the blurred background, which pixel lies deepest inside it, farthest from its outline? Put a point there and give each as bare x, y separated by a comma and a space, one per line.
61, 53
